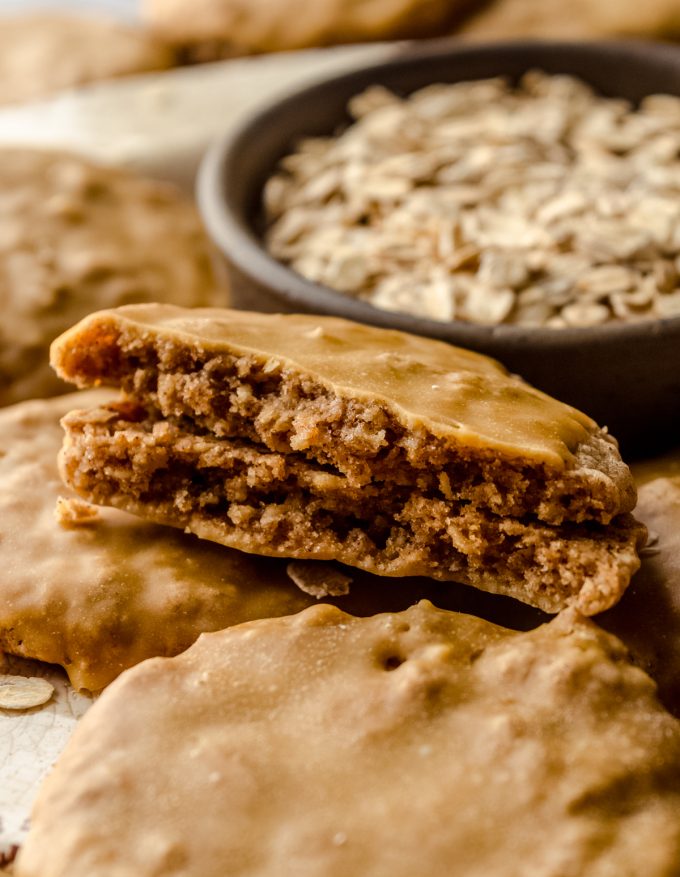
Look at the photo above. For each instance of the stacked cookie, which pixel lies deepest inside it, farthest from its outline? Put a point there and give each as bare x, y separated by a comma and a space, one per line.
323, 439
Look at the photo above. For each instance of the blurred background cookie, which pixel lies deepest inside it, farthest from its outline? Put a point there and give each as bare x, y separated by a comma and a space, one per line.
43, 52
510, 19
74, 238
216, 28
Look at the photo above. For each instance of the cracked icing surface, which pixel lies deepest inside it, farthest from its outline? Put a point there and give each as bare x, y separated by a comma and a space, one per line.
284, 747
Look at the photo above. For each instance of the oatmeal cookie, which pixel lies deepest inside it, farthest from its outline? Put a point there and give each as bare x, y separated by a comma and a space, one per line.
402, 744
43, 52
76, 237
319, 438
648, 618
215, 28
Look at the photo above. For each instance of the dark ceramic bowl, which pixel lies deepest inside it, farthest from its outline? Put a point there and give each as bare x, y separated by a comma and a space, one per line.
625, 376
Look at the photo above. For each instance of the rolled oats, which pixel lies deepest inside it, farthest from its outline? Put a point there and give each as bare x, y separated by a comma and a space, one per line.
24, 692
318, 579
540, 204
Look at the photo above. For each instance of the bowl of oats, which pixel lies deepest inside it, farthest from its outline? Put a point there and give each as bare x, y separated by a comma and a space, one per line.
518, 199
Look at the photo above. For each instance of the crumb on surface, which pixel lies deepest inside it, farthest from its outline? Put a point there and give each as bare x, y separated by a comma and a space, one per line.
75, 512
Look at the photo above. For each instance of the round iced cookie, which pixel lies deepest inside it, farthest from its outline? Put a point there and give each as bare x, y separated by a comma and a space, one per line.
425, 742
75, 237
43, 52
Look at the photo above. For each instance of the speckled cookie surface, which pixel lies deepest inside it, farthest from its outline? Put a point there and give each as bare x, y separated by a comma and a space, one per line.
269, 25
424, 742
43, 52
75, 237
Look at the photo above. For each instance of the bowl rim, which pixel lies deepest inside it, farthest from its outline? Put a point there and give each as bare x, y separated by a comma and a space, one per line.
242, 246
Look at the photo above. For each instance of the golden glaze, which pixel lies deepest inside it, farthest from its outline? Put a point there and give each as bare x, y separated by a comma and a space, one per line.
453, 393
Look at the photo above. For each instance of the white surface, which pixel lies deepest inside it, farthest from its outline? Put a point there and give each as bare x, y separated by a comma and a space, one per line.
30, 742
162, 123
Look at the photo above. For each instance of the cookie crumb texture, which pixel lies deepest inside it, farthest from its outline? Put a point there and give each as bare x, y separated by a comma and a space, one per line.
265, 434
331, 746
76, 237
74, 512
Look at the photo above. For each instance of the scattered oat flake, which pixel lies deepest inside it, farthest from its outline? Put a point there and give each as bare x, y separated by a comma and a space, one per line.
318, 579
24, 692
74, 512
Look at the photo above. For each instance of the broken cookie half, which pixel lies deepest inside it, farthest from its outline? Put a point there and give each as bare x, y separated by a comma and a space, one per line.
317, 438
